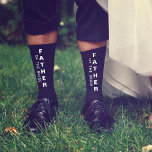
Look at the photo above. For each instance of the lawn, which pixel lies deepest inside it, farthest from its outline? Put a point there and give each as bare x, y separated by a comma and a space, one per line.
69, 132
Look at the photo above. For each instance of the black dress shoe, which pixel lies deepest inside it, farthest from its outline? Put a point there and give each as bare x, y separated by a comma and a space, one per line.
98, 116
40, 114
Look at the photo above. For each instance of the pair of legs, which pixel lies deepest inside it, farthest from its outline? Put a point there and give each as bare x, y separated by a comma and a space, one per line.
40, 23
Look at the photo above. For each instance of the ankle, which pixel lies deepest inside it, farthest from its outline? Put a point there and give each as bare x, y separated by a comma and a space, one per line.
50, 94
90, 96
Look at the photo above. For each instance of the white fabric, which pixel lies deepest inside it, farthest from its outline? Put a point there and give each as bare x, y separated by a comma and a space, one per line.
130, 26
130, 48
120, 77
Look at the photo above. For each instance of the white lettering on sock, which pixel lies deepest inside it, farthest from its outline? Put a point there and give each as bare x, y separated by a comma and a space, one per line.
90, 69
95, 68
40, 68
37, 65
42, 71
43, 78
89, 60
91, 80
95, 75
91, 83
96, 89
42, 64
40, 51
44, 85
36, 57
38, 74
39, 80
94, 54
90, 76
41, 58
94, 62
95, 82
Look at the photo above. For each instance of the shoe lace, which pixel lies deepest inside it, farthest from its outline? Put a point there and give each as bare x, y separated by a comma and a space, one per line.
97, 107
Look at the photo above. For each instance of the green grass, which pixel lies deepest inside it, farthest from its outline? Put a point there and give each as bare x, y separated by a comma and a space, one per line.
68, 133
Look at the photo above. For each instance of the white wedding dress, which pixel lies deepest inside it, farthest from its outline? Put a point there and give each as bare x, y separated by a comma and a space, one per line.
128, 63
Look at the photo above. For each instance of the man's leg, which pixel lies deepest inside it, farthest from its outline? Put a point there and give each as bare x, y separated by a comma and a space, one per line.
92, 33
40, 23
42, 49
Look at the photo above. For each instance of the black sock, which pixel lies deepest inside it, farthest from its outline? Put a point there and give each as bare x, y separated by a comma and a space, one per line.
93, 63
43, 62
